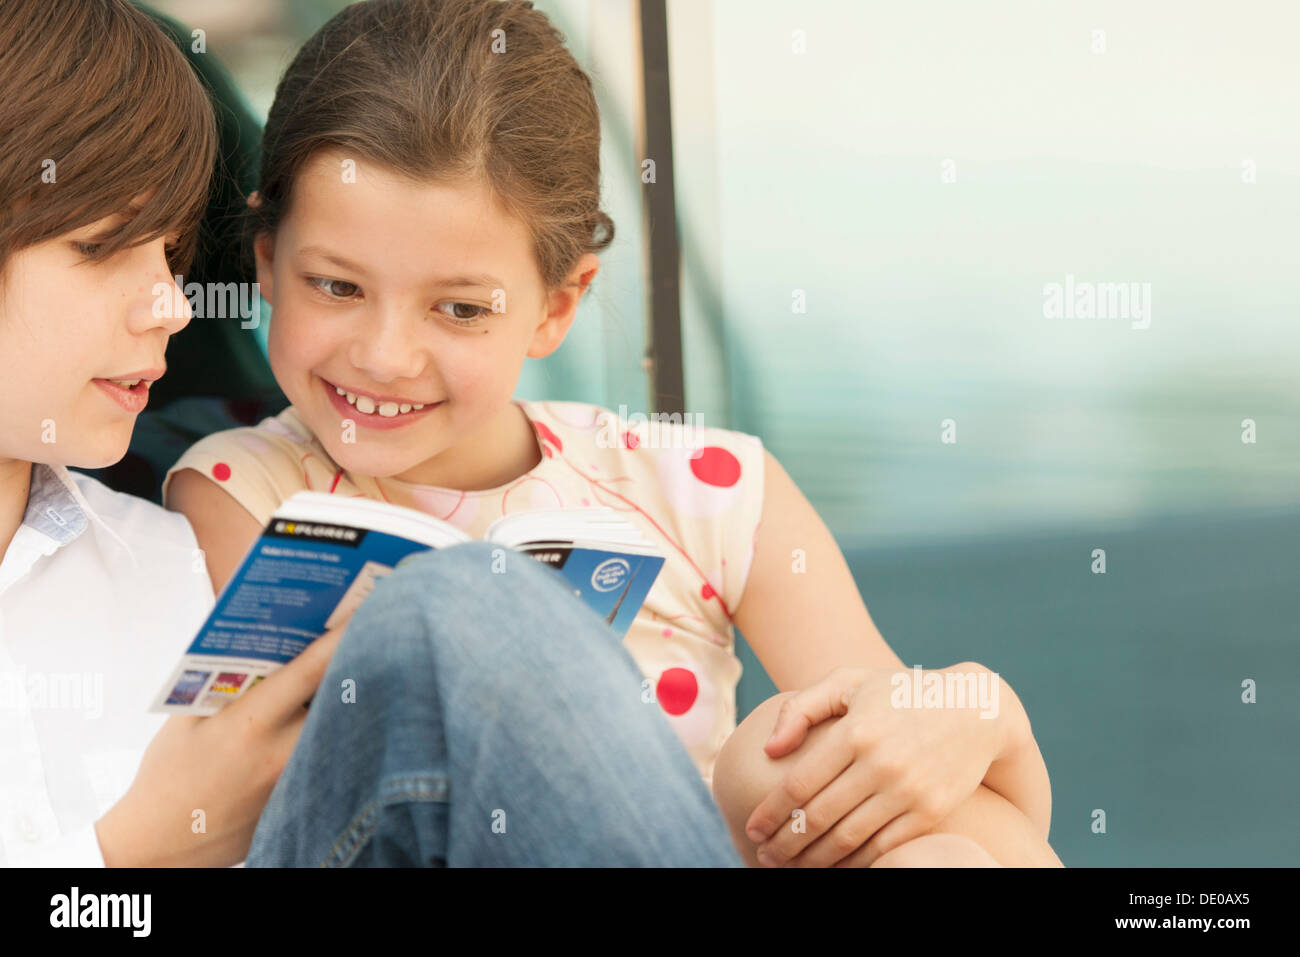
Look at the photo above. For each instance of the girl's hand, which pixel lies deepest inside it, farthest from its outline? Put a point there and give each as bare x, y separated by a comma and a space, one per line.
883, 776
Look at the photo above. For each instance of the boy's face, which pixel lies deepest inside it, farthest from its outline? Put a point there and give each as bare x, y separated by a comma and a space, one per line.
68, 327
403, 293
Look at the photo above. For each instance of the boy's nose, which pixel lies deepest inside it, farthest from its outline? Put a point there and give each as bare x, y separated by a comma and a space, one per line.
165, 305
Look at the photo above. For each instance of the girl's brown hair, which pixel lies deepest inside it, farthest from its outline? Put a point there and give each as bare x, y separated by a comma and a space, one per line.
98, 106
449, 91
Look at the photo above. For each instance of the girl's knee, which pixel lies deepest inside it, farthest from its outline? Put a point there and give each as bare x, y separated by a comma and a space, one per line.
467, 565
472, 606
744, 774
937, 850
467, 578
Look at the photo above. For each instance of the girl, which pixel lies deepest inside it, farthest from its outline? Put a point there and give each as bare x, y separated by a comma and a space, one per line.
101, 190
428, 218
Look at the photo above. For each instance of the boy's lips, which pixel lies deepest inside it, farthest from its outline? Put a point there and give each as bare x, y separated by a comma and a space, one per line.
375, 420
131, 398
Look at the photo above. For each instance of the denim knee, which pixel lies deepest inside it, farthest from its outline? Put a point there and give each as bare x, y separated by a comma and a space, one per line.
447, 592
473, 568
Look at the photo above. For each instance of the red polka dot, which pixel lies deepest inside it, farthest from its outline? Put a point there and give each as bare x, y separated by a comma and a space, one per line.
707, 592
677, 690
221, 471
715, 466
630, 440
548, 436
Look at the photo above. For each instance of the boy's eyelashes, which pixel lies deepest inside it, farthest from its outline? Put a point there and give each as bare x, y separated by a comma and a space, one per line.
328, 290
88, 249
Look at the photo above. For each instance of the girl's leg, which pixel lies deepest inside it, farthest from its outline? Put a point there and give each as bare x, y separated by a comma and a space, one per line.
937, 850
475, 712
985, 828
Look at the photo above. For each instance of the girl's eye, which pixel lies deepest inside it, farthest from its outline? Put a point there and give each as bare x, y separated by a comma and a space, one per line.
335, 288
86, 249
460, 318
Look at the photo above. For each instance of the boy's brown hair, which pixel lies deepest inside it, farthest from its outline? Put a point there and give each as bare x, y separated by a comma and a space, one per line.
431, 89
97, 106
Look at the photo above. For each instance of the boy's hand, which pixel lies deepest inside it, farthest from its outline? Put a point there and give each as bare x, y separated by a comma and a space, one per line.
882, 776
225, 766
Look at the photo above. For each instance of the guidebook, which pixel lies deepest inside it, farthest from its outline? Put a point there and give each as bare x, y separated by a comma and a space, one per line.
320, 556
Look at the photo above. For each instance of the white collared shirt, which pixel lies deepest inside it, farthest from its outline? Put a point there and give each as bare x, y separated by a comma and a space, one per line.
100, 594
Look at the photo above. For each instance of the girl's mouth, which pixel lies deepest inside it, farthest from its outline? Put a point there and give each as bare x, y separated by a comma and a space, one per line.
364, 410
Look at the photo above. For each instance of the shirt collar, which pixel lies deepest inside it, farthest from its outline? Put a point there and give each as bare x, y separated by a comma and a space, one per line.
54, 509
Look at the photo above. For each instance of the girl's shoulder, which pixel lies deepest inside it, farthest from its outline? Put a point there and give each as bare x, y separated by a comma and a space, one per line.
697, 487
260, 465
664, 443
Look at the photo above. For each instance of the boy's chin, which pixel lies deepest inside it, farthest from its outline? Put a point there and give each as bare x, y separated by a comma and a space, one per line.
101, 459
105, 449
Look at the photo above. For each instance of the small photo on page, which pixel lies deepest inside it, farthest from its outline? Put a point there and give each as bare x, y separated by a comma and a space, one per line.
224, 689
188, 686
361, 587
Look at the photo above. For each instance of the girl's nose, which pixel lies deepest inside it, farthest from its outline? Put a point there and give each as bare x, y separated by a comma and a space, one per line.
386, 349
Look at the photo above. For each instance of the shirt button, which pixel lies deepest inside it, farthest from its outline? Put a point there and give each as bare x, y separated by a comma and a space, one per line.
28, 829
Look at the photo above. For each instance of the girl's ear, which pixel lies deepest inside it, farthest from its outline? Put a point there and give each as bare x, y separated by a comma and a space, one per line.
264, 254
562, 307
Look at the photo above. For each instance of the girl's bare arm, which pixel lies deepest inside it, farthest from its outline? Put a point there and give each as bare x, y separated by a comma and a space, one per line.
225, 531
803, 616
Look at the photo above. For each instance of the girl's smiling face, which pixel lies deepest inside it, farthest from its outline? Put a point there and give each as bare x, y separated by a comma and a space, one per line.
403, 293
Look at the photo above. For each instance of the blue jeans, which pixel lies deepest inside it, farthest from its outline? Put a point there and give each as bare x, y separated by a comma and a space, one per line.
475, 715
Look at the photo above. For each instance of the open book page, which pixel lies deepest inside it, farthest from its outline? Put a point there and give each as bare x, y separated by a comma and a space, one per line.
316, 561
603, 558
600, 524
321, 555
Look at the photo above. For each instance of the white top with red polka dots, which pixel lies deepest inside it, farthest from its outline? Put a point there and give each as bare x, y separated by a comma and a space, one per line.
695, 491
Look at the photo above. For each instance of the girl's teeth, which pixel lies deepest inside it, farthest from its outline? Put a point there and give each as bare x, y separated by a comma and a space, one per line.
125, 383
368, 406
